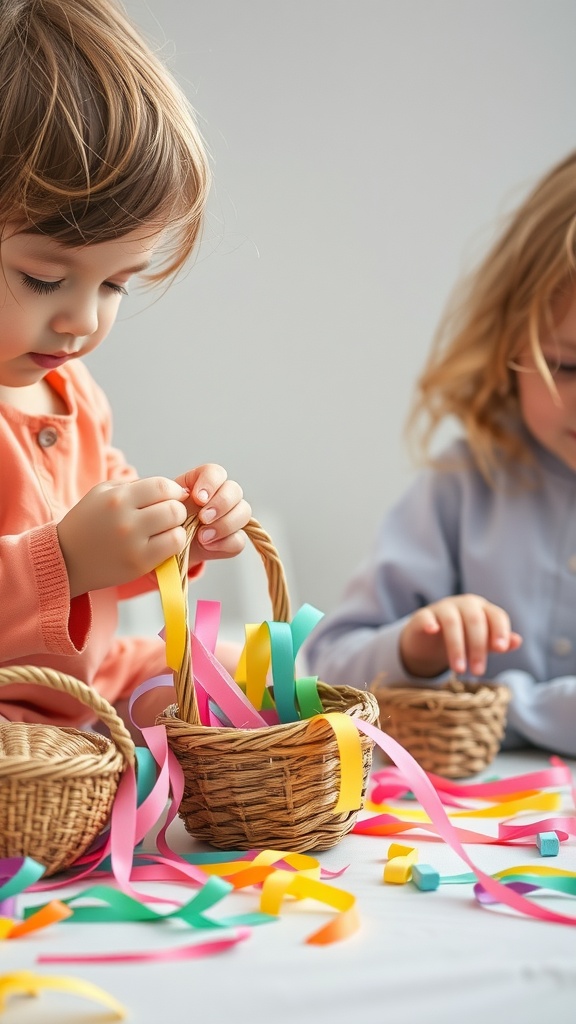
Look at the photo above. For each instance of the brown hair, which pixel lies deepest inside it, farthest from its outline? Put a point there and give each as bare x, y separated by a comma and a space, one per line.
500, 308
96, 138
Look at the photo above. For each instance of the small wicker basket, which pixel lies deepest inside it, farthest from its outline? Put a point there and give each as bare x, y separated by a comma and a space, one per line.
454, 731
57, 785
274, 787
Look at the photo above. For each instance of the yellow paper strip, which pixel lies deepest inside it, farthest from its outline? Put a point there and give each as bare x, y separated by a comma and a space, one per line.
174, 610
254, 662
285, 883
506, 809
30, 984
351, 761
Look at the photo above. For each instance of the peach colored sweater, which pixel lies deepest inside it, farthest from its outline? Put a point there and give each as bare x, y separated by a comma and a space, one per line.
47, 463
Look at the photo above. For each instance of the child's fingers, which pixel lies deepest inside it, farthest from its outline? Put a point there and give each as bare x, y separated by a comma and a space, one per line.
203, 482
456, 632
227, 499
162, 546
156, 519
499, 627
152, 490
225, 547
426, 620
486, 628
515, 641
225, 534
458, 640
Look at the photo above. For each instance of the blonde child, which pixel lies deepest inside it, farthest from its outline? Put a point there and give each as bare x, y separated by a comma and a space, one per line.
474, 568
103, 177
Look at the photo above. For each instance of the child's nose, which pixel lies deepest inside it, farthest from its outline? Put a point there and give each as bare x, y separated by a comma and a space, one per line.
79, 318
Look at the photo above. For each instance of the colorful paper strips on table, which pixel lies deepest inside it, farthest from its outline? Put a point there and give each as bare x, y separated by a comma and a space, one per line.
438, 823
436, 806
277, 875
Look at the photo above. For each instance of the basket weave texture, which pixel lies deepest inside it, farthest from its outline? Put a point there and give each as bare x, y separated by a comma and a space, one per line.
274, 787
57, 785
454, 731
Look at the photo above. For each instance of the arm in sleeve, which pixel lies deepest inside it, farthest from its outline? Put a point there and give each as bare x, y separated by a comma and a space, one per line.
413, 563
38, 616
542, 713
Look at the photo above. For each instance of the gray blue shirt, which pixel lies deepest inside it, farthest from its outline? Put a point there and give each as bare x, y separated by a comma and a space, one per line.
451, 533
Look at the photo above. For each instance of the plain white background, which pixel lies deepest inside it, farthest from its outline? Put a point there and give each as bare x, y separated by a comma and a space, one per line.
363, 153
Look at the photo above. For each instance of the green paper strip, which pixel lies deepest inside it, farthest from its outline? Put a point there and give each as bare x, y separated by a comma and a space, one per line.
120, 907
29, 872
307, 696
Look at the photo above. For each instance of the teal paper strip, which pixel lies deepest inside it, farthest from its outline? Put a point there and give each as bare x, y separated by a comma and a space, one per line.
282, 660
303, 623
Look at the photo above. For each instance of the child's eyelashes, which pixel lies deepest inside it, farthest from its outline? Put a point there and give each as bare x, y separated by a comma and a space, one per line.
118, 288
40, 287
49, 287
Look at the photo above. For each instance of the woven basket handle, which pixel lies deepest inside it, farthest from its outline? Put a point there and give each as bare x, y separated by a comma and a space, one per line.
277, 589
54, 680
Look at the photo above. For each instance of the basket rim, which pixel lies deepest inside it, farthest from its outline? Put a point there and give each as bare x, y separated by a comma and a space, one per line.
54, 679
364, 698
92, 740
500, 692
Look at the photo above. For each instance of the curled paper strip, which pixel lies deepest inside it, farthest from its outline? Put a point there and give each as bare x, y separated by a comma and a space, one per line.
49, 914
391, 782
284, 883
425, 792
18, 873
528, 878
534, 802
28, 983
508, 833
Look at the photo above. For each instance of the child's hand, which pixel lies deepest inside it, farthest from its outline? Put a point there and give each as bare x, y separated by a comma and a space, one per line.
221, 509
121, 531
456, 633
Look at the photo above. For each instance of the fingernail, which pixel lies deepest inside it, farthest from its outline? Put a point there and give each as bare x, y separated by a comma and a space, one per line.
459, 665
501, 643
208, 514
203, 496
208, 535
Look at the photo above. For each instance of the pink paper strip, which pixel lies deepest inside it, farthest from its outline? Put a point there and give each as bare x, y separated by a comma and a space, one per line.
424, 791
191, 951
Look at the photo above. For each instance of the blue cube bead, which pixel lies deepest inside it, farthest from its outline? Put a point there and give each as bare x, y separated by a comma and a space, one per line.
425, 876
548, 844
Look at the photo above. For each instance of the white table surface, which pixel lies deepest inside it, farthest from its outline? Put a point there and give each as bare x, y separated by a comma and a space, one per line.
436, 957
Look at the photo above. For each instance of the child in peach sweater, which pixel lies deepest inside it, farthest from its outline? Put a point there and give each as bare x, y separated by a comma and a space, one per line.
103, 177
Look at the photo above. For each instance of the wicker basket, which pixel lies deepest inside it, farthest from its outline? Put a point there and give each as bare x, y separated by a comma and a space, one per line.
274, 787
454, 731
57, 785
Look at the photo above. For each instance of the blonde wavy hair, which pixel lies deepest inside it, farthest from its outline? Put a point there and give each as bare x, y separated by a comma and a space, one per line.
497, 312
96, 137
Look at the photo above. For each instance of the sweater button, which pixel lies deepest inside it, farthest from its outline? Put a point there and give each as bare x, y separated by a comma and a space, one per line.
47, 437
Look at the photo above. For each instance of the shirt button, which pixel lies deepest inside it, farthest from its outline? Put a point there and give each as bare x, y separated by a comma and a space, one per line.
572, 563
47, 437
562, 645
